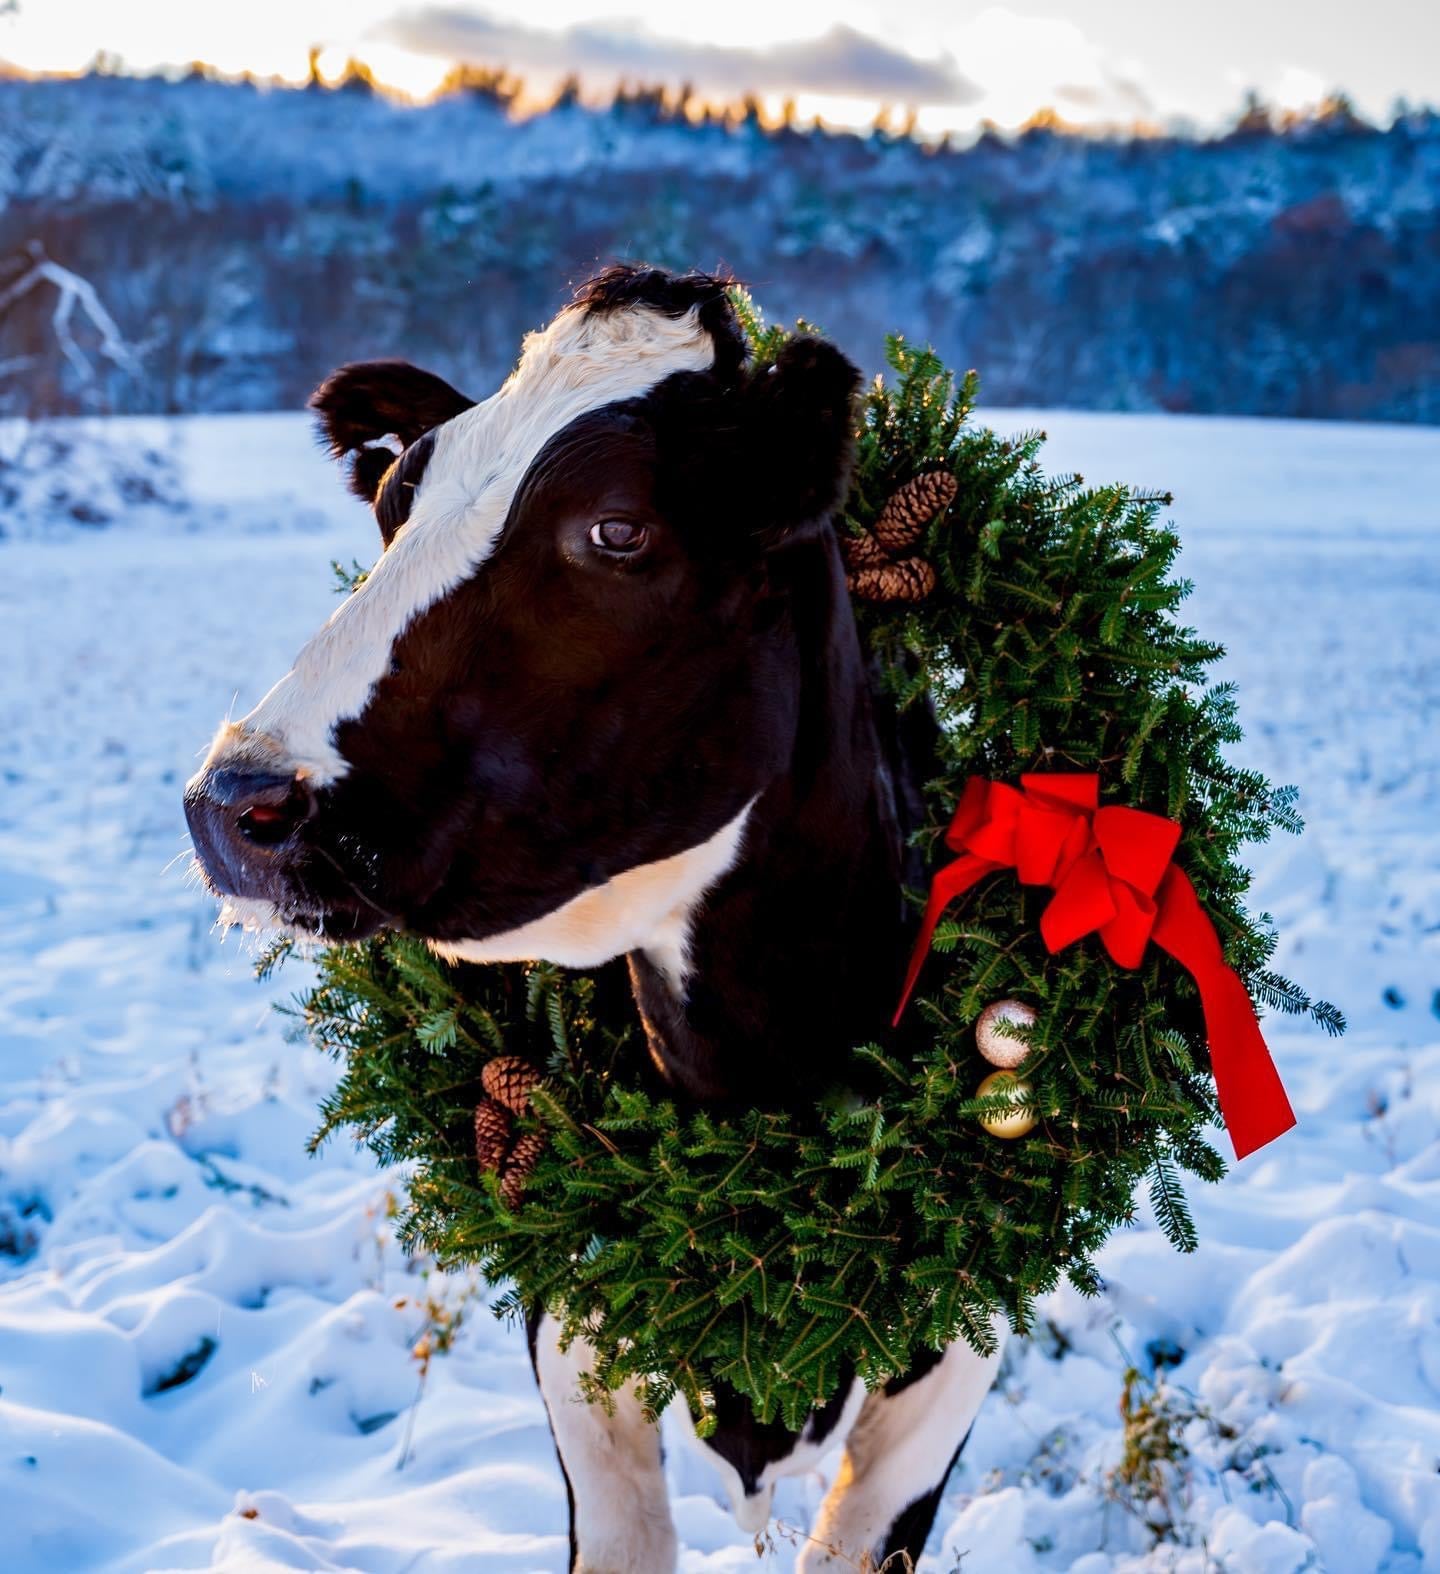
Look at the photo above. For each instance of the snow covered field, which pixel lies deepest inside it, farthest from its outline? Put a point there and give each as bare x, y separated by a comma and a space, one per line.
206, 1337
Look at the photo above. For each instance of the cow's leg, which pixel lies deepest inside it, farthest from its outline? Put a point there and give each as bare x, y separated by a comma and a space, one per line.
611, 1461
897, 1458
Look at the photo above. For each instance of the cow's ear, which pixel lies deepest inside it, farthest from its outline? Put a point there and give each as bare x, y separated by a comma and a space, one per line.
801, 427
368, 401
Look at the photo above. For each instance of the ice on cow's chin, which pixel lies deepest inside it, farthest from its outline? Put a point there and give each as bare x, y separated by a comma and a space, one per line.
255, 916
250, 914
264, 920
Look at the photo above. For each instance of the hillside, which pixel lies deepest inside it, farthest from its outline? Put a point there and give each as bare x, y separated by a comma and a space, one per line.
246, 239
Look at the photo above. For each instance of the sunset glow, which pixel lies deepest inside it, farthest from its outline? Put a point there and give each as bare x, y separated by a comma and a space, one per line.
1093, 61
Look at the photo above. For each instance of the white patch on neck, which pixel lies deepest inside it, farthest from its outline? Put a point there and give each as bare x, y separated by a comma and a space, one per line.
649, 908
581, 362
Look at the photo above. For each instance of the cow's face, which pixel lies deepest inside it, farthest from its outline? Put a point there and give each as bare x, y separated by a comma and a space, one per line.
536, 729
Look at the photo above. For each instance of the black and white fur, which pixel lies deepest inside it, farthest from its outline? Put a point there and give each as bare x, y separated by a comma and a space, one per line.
522, 742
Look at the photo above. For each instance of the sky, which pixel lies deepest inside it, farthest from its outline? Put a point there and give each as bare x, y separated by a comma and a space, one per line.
1093, 61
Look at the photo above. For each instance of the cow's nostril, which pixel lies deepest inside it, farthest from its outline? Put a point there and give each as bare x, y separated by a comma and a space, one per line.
265, 827
267, 824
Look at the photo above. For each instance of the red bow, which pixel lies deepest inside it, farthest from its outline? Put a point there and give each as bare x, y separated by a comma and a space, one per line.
1111, 873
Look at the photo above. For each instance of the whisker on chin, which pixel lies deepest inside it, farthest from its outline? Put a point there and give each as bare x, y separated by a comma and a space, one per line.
185, 852
354, 889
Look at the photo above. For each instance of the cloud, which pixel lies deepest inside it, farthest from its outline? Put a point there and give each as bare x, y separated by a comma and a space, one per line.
840, 63
1297, 87
1027, 62
1114, 96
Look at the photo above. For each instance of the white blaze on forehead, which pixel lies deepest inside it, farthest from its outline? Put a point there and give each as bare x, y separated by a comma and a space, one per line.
579, 363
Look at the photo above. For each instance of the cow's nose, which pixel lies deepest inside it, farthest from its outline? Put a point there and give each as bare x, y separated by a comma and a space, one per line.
243, 823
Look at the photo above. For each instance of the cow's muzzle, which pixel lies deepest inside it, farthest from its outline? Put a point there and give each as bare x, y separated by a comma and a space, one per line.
246, 826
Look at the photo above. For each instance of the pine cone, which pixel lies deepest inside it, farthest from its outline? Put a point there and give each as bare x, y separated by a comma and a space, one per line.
876, 568
492, 1134
861, 552
508, 1079
910, 509
911, 579
519, 1166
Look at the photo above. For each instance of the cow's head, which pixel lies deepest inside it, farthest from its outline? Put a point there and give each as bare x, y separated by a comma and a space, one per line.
537, 726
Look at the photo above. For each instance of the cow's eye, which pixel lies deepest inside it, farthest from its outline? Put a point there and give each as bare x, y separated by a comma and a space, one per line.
618, 535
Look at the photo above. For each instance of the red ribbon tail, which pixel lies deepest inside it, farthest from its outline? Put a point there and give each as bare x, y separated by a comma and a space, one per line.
1253, 1102
952, 881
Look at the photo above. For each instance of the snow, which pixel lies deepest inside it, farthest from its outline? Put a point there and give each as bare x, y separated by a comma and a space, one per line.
207, 1338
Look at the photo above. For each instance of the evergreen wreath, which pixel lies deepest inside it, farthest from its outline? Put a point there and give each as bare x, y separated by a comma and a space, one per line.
766, 1250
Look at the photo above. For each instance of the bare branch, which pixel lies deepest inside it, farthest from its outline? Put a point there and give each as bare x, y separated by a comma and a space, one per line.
73, 290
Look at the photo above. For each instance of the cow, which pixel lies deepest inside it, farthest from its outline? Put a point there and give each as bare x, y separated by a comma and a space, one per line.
602, 696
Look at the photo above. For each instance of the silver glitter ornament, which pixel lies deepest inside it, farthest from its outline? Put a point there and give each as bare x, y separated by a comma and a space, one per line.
998, 1048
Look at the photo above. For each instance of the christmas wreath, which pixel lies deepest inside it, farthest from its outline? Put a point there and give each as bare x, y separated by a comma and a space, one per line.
1088, 937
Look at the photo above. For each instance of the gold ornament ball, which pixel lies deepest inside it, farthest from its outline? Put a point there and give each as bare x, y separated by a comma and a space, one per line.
1011, 1123
998, 1048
